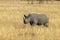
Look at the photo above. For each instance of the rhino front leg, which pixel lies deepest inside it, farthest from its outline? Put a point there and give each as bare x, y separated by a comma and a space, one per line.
31, 22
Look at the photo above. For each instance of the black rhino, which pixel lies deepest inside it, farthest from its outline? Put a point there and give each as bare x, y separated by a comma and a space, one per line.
38, 19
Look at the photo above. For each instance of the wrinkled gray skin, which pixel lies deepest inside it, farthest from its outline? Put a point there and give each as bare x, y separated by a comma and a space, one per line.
38, 19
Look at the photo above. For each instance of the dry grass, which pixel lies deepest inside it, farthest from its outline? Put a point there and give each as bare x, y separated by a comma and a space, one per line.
12, 27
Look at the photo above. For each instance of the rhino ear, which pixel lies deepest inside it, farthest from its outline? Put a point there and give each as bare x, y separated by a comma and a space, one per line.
29, 15
25, 16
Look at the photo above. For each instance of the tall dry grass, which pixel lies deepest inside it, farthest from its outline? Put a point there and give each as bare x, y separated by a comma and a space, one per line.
13, 28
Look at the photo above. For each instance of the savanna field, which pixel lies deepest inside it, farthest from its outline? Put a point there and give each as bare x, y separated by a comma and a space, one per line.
13, 28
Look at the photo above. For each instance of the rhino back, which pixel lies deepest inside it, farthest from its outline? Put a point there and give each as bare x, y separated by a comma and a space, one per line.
39, 17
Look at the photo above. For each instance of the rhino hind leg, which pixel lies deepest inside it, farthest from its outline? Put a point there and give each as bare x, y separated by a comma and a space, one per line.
45, 24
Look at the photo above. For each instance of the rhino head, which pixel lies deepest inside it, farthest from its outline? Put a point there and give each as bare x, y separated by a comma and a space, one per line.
26, 19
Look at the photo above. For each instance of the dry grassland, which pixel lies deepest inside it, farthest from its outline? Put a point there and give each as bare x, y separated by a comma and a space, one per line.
13, 28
